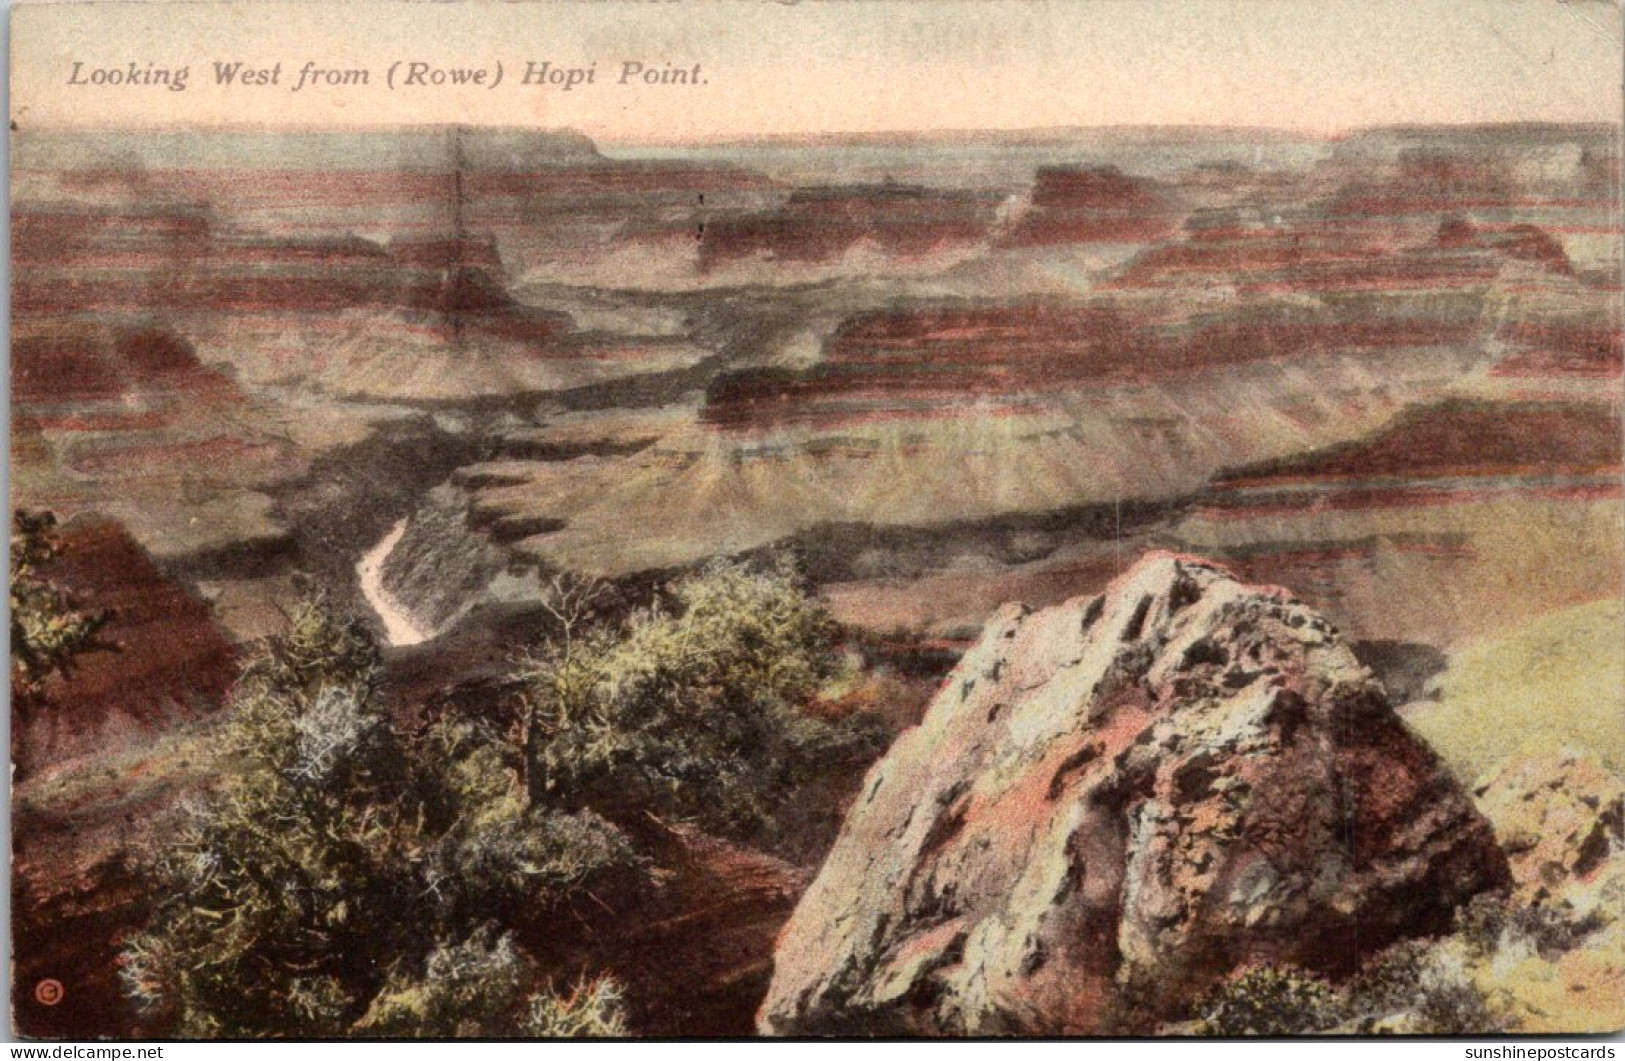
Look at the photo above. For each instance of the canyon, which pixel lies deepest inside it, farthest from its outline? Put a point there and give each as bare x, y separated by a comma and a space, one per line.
425, 370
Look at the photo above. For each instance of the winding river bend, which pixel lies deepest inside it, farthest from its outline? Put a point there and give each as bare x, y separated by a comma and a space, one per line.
399, 626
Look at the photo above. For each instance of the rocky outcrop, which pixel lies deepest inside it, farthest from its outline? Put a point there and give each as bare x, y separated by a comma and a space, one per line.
1114, 803
821, 224
1546, 442
1558, 954
1093, 204
1561, 820
923, 362
441, 565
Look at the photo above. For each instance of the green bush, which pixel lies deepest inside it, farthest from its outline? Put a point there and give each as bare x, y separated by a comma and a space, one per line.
1425, 987
292, 882
468, 988
695, 706
476, 988
526, 860
341, 879
1457, 1007
48, 632
1392, 981
1417, 987
344, 877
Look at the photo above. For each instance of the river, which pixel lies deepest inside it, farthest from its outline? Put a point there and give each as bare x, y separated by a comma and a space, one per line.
399, 626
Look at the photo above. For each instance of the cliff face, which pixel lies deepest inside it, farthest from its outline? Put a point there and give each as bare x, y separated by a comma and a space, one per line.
1083, 204
820, 224
1114, 803
906, 365
441, 566
170, 663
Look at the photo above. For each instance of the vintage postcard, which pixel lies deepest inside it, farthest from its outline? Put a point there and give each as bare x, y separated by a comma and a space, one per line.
718, 518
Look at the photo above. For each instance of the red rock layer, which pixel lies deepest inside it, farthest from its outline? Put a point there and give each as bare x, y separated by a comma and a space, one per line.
821, 224
1080, 204
1524, 242
79, 364
130, 406
143, 259
1428, 181
1320, 256
1572, 347
906, 362
172, 662
1463, 439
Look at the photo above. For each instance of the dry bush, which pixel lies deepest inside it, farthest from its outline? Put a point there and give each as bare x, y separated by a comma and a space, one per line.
595, 1009
1271, 1000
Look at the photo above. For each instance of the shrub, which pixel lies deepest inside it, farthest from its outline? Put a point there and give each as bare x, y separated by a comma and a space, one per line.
48, 631
1271, 1000
341, 879
1457, 1007
695, 706
528, 860
1392, 981
596, 1009
289, 882
1425, 987
468, 988
321, 647
1417, 987
1481, 923
476, 988
1493, 922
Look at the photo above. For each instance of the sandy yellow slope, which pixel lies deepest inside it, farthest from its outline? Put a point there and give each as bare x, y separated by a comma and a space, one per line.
1557, 682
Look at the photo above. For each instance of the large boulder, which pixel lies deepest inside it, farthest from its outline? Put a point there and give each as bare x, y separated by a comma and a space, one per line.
1115, 803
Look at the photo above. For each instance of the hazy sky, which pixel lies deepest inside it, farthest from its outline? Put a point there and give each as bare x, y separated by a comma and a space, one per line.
842, 65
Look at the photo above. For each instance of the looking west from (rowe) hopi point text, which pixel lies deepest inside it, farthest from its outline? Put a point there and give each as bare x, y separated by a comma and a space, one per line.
1062, 519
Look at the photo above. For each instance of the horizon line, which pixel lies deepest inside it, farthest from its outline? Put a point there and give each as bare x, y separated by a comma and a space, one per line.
1014, 133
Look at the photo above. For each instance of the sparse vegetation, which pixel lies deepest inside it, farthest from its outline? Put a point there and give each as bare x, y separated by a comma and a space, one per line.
1271, 1000
595, 1009
345, 880
49, 631
1424, 987
1416, 987
694, 706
